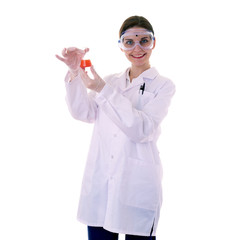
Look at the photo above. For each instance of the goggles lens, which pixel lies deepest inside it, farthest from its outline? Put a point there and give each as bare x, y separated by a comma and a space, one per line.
129, 40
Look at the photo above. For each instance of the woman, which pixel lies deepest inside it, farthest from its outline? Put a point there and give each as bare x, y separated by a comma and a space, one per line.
121, 189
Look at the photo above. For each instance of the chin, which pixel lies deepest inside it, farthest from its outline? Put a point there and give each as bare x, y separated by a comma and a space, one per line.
139, 63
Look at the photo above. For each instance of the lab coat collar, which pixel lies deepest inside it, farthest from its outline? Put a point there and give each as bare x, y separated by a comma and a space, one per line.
146, 76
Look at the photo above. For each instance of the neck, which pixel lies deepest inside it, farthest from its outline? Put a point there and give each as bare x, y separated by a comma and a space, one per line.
135, 71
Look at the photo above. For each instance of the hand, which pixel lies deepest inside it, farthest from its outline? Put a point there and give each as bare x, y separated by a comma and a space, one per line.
95, 84
72, 58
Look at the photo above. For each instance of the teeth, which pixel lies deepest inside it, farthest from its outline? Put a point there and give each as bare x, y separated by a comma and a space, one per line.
138, 55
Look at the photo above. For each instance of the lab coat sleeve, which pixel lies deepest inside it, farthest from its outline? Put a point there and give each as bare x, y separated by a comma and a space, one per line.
138, 125
80, 102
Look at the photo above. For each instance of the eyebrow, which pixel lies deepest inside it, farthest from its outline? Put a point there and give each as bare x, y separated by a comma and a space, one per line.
132, 39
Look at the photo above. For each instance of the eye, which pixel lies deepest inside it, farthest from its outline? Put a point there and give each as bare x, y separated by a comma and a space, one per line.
129, 42
143, 41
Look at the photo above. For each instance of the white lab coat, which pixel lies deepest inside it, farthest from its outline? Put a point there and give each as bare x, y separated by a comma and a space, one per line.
121, 188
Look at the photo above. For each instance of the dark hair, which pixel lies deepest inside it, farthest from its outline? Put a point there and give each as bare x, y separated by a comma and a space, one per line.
135, 21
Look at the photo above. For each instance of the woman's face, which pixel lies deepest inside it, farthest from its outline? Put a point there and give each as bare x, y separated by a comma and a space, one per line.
138, 56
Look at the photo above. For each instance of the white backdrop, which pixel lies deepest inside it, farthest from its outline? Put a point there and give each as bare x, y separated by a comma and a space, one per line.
43, 149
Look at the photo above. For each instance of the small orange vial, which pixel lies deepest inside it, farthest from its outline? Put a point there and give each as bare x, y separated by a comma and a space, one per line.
85, 63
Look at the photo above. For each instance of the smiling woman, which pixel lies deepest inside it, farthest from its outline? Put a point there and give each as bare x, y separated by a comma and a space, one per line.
137, 44
121, 189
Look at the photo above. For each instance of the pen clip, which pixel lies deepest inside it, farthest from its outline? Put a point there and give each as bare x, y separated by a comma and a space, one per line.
142, 88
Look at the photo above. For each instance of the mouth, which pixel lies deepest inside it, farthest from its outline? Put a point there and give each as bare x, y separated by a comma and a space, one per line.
138, 56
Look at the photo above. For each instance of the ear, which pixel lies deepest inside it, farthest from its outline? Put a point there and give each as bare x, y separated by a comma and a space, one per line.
154, 43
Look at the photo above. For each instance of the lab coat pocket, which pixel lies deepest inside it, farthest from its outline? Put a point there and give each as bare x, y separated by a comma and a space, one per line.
144, 98
141, 184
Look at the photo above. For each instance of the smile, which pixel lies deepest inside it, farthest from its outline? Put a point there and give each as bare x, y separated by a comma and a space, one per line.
138, 56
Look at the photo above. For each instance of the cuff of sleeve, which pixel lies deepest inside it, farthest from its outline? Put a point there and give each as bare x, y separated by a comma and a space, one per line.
70, 77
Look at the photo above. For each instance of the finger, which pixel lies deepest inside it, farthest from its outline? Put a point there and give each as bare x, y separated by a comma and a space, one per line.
65, 52
83, 74
60, 58
80, 51
85, 78
71, 50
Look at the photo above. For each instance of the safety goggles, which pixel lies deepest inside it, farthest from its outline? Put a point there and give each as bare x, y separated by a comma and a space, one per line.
129, 40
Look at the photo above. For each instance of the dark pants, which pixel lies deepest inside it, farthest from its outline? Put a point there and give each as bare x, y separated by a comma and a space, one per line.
99, 233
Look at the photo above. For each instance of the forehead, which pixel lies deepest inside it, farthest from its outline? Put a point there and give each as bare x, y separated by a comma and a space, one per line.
135, 29
136, 33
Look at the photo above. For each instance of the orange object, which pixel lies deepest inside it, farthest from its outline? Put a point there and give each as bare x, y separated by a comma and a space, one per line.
85, 63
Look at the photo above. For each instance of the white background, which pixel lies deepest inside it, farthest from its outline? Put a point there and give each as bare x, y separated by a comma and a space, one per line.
43, 149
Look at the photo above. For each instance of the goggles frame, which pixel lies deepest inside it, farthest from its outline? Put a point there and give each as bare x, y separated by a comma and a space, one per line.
137, 33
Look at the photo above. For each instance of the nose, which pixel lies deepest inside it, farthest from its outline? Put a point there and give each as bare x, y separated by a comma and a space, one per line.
137, 47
